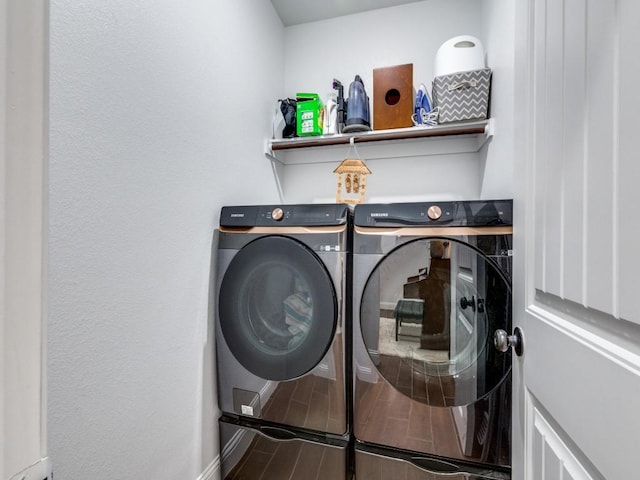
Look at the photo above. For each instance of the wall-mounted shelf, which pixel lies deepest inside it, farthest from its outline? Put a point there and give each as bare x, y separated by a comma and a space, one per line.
416, 141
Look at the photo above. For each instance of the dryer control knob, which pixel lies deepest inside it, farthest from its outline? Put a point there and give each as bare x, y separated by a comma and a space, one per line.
434, 212
277, 214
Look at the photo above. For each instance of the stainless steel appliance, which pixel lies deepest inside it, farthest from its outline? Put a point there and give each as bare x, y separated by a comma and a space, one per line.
431, 285
282, 333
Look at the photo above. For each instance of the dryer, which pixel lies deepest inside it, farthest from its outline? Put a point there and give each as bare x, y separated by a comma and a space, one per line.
431, 285
281, 329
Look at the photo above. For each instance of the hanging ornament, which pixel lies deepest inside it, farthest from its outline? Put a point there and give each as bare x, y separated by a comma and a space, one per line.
352, 175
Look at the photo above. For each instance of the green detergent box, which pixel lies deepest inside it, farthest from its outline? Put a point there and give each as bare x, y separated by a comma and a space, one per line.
309, 112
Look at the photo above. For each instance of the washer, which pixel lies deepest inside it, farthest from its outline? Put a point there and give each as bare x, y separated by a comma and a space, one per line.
282, 332
431, 285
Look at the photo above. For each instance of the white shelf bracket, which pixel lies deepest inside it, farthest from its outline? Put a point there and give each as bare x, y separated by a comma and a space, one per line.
276, 165
268, 151
489, 131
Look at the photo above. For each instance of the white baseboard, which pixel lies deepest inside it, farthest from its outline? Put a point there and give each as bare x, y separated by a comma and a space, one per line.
212, 472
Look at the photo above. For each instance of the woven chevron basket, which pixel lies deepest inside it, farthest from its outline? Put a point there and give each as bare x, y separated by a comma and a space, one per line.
462, 95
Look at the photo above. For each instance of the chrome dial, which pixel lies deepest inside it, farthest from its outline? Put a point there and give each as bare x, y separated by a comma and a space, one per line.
277, 214
434, 212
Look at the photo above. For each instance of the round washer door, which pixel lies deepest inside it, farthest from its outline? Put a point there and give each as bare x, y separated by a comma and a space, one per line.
277, 308
428, 315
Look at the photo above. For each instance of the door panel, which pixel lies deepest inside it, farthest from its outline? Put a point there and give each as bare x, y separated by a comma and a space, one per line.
600, 137
573, 150
591, 387
577, 384
554, 459
628, 165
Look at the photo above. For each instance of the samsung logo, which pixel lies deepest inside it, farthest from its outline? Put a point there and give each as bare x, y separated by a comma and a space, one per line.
379, 214
237, 215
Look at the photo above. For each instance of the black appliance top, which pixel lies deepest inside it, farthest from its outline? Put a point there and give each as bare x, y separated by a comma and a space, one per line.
476, 213
305, 215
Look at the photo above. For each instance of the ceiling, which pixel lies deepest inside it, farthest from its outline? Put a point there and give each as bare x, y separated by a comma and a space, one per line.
294, 12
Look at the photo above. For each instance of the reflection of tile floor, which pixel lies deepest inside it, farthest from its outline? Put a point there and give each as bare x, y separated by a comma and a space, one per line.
406, 409
290, 460
398, 414
312, 402
375, 467
408, 344
386, 414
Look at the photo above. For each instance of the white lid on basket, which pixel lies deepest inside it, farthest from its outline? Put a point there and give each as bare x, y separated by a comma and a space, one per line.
459, 54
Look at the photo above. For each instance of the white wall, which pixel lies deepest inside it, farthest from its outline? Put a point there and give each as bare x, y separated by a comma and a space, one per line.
356, 44
159, 110
497, 157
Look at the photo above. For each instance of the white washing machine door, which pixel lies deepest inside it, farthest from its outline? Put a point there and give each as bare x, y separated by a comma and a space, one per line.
278, 308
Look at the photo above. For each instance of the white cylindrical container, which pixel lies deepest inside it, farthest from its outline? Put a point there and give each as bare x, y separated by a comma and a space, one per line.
459, 54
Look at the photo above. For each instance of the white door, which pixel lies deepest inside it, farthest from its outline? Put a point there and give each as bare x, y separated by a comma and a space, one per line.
577, 386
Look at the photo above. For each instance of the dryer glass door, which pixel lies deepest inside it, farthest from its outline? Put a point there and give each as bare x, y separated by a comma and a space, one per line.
429, 312
277, 308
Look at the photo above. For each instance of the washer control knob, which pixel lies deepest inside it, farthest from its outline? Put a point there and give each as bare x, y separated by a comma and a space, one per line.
277, 214
434, 212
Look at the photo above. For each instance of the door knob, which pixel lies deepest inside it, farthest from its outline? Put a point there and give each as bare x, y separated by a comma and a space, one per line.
503, 341
465, 302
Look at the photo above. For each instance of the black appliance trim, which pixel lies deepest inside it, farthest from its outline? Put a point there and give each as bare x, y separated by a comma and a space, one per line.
451, 214
279, 432
308, 215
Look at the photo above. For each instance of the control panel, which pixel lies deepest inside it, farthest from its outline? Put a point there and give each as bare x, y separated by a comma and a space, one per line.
284, 215
451, 214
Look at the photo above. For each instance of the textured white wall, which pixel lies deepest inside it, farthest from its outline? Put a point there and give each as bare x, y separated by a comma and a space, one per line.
497, 157
356, 44
159, 110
